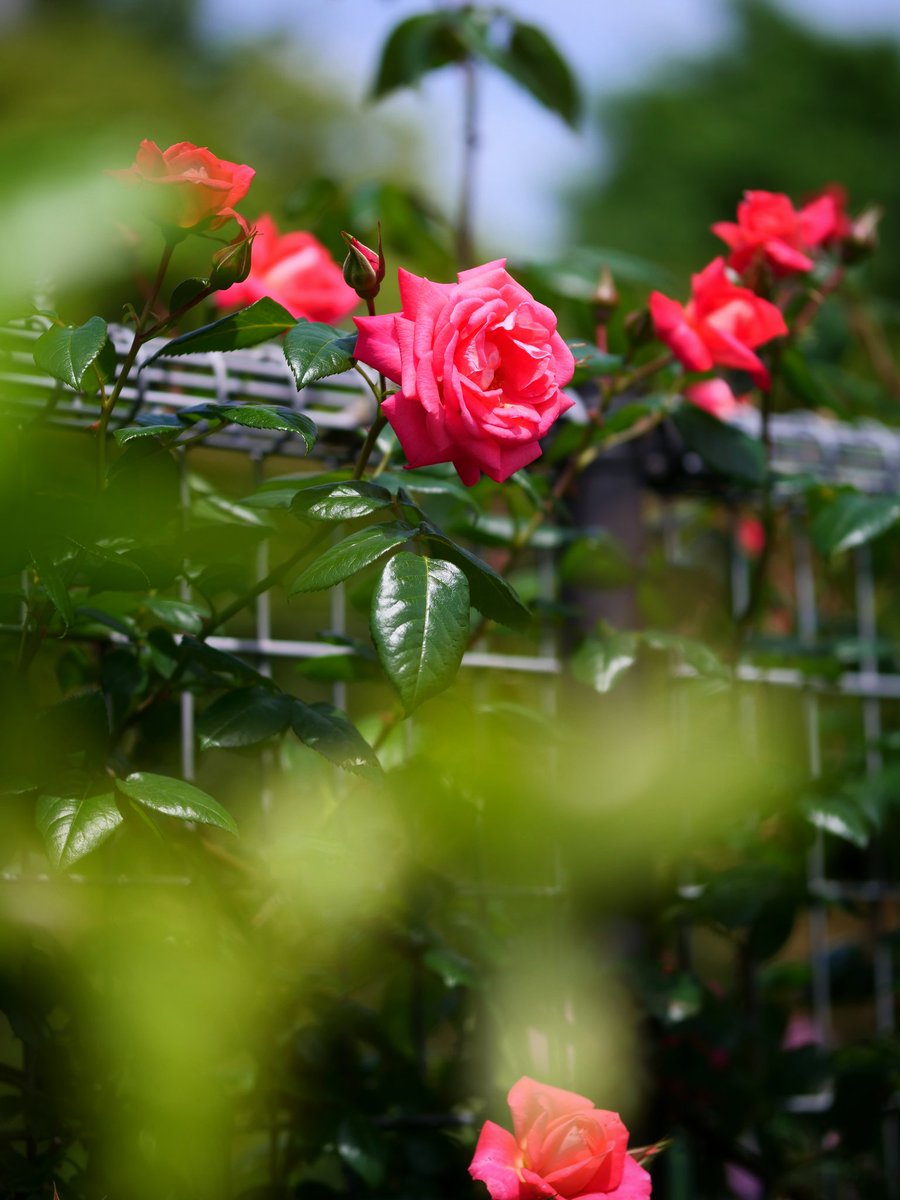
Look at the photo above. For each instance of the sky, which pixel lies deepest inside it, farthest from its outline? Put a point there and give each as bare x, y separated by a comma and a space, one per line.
525, 152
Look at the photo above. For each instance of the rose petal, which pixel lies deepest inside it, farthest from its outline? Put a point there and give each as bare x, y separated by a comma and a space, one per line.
496, 1162
531, 1103
377, 345
636, 1184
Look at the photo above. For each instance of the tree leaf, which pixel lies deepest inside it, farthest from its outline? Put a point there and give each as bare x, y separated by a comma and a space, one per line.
314, 350
176, 798
341, 501
600, 662
54, 585
244, 717
721, 446
420, 624
351, 554
418, 45
488, 592
258, 323
73, 826
328, 731
852, 519
533, 61
68, 353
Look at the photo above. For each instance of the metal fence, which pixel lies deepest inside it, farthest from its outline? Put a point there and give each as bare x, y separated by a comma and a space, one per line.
866, 456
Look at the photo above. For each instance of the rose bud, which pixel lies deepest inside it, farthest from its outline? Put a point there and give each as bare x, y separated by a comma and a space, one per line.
862, 239
363, 268
606, 297
231, 264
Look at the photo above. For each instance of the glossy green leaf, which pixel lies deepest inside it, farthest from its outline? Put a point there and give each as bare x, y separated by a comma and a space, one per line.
244, 717
852, 519
420, 625
220, 662
133, 433
68, 353
263, 416
416, 46
187, 292
841, 816
343, 501
351, 554
721, 446
314, 351
175, 798
600, 662
259, 323
327, 730
73, 826
488, 592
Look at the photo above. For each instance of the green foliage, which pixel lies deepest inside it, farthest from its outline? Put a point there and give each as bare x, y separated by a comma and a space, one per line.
247, 327
68, 353
314, 351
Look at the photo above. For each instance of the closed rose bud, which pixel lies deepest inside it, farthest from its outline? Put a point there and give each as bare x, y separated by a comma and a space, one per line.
863, 236
231, 264
606, 297
363, 268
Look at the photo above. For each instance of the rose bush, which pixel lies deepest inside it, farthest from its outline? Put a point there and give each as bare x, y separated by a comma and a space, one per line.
189, 185
295, 270
480, 367
563, 1146
770, 230
721, 324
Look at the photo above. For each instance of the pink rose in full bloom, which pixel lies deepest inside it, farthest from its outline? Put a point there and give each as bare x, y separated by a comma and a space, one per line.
188, 185
721, 324
480, 367
562, 1146
295, 270
769, 229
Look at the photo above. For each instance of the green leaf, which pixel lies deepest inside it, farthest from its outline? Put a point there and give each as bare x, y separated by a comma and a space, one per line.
351, 554
187, 292
176, 613
132, 432
423, 482
591, 362
73, 826
261, 321
488, 592
264, 416
361, 1149
420, 625
852, 519
840, 816
327, 730
342, 501
55, 586
244, 717
534, 62
218, 661
452, 968
314, 350
418, 45
175, 798
721, 446
67, 354
600, 662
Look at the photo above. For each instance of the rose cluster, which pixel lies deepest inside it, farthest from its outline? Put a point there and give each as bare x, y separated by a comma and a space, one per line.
561, 1146
728, 318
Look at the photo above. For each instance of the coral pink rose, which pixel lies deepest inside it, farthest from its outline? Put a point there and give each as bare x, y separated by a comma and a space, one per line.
721, 324
769, 229
562, 1146
295, 270
480, 366
188, 184
716, 397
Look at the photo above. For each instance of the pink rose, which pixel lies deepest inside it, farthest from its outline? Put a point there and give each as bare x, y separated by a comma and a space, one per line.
716, 397
188, 184
563, 1146
480, 366
721, 324
769, 229
297, 271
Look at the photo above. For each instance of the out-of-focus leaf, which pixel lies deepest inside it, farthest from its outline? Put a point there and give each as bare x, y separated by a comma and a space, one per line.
416, 46
600, 662
721, 446
177, 613
852, 519
360, 1148
841, 816
533, 61
54, 584
327, 730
